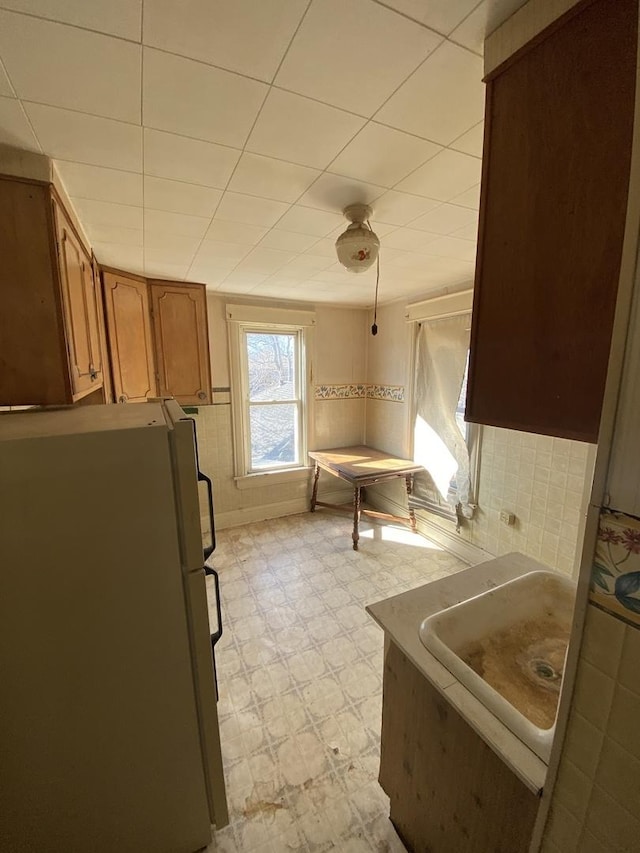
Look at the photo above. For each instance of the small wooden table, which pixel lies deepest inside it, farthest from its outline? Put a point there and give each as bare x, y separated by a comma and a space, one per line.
363, 466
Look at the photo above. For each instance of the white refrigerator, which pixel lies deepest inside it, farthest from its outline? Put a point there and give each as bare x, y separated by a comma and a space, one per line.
109, 735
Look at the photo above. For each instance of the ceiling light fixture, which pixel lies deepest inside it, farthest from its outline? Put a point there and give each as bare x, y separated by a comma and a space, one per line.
358, 246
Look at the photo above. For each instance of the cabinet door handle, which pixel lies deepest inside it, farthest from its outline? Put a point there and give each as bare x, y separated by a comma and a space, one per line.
93, 373
202, 395
122, 398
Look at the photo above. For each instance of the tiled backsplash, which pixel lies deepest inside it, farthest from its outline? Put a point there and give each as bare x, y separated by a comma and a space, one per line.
596, 801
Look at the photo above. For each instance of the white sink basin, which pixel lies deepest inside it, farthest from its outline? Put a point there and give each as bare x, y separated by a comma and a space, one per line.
508, 647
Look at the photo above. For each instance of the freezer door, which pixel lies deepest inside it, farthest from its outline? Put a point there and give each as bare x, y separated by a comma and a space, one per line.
206, 696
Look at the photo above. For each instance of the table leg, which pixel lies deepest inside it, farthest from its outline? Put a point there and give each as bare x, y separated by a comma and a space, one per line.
314, 491
356, 517
412, 515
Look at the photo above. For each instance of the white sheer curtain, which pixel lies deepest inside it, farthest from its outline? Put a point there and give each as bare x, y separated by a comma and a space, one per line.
439, 441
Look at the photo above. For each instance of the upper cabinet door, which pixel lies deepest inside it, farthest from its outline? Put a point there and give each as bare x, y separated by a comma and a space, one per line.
130, 340
80, 310
179, 314
559, 124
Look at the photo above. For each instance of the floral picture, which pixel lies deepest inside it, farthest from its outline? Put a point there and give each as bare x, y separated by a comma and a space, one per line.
615, 576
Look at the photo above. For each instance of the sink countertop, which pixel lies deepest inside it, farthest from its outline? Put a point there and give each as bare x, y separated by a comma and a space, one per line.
401, 616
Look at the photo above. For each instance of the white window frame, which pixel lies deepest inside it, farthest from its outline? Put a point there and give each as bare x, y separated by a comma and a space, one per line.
439, 308
243, 319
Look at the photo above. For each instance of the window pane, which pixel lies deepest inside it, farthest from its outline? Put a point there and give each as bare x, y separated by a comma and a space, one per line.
274, 435
272, 364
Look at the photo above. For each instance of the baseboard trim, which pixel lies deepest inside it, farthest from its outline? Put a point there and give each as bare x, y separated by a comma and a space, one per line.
237, 517
452, 543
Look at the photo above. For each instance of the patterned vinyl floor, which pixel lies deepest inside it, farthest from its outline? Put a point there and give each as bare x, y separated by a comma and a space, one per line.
299, 671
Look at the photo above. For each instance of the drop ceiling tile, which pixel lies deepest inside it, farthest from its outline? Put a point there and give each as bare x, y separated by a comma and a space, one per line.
6, 89
15, 129
117, 17
372, 50
442, 100
67, 135
94, 182
453, 247
206, 274
244, 36
162, 248
469, 232
108, 213
407, 239
287, 241
221, 255
252, 210
167, 155
382, 155
265, 261
67, 67
301, 131
163, 221
305, 265
400, 208
121, 257
307, 220
326, 248
447, 175
269, 178
173, 272
246, 278
234, 288
445, 219
114, 234
440, 15
178, 197
235, 232
334, 193
470, 198
471, 142
193, 99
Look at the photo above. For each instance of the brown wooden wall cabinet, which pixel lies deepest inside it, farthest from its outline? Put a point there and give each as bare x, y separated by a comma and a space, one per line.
448, 790
50, 345
558, 132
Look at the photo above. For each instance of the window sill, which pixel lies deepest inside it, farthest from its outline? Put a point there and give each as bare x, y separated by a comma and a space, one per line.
272, 478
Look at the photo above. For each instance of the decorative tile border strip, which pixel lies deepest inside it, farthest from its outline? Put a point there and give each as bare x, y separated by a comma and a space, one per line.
615, 575
391, 393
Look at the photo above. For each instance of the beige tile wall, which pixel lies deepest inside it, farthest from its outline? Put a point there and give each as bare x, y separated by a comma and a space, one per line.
596, 802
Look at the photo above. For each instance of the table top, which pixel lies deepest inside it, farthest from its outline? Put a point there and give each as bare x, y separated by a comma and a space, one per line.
362, 463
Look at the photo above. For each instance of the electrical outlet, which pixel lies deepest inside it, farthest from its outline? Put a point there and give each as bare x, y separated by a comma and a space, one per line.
507, 517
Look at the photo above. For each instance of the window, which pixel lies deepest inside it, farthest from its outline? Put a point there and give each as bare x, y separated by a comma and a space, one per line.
269, 368
444, 443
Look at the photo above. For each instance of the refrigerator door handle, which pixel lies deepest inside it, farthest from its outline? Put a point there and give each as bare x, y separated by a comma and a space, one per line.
216, 580
202, 478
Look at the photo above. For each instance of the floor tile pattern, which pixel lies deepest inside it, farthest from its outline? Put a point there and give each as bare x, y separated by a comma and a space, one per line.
299, 672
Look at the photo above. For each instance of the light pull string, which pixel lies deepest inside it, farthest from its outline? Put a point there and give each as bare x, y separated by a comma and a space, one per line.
374, 327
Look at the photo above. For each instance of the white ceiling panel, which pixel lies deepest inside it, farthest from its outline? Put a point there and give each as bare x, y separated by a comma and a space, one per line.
167, 222
287, 241
471, 142
235, 232
305, 265
120, 256
193, 99
469, 232
400, 208
114, 234
107, 213
167, 155
243, 278
382, 155
222, 255
173, 272
453, 247
206, 273
66, 67
301, 131
163, 248
369, 41
6, 89
470, 198
334, 193
117, 17
15, 129
407, 239
100, 184
483, 20
269, 178
252, 210
68, 135
178, 197
307, 220
265, 261
244, 36
440, 15
445, 219
447, 175
442, 100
